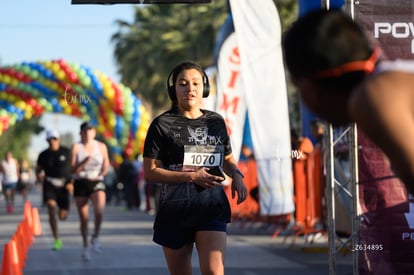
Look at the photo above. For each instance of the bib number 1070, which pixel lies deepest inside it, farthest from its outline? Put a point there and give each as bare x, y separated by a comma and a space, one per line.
200, 159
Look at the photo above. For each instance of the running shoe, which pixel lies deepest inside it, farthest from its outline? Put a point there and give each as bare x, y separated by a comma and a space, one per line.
86, 255
57, 245
96, 245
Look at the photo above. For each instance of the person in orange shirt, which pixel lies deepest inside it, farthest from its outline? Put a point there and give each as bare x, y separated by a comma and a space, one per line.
302, 147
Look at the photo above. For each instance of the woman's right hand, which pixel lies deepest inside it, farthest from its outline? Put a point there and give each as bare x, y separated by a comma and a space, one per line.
206, 180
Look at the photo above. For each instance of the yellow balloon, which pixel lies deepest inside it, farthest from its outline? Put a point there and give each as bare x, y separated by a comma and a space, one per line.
20, 104
28, 108
67, 109
139, 147
109, 92
6, 79
54, 86
100, 76
118, 159
14, 82
63, 102
142, 135
60, 75
146, 116
100, 128
112, 121
142, 126
55, 67
28, 114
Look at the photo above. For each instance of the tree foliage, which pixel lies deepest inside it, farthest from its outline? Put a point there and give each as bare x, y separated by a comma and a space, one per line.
288, 12
159, 38
17, 138
163, 35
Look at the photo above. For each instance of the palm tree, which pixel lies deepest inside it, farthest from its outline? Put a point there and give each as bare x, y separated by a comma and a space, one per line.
163, 35
160, 37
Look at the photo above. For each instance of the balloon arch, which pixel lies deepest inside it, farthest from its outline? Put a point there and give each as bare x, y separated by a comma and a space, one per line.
32, 88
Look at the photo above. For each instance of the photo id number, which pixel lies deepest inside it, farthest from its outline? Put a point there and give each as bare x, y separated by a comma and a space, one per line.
366, 247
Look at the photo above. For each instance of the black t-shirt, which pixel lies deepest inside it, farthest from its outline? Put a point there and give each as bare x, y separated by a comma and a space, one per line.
55, 164
182, 143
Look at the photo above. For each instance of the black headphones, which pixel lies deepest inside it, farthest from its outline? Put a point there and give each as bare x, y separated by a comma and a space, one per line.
172, 77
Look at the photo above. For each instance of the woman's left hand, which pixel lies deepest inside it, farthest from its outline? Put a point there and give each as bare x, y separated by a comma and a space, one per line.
238, 186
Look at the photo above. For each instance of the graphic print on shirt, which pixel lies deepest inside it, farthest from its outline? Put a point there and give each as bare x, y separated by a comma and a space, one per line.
200, 137
205, 150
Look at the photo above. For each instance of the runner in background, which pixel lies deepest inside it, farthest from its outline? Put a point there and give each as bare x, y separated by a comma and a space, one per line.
10, 169
53, 172
24, 183
89, 165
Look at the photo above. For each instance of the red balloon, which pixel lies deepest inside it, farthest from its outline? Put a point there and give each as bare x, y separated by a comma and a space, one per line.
73, 77
32, 102
38, 110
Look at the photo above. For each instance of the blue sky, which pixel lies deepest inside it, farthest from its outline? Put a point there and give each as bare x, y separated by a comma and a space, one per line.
32, 30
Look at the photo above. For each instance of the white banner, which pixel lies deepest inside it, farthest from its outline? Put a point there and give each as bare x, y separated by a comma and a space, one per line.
231, 102
258, 32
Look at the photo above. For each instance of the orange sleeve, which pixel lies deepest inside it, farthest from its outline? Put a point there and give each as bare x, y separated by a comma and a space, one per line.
306, 146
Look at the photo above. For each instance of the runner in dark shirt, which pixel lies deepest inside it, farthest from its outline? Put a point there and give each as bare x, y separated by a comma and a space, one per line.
53, 169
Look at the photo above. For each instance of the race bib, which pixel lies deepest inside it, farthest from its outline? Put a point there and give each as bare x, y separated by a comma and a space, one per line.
24, 177
57, 182
94, 174
207, 156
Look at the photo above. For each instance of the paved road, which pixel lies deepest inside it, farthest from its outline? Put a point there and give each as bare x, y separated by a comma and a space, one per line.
128, 249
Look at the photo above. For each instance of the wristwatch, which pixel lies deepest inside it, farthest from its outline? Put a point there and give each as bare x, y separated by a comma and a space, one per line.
237, 171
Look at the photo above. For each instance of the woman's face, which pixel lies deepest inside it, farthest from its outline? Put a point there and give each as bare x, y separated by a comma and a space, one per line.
189, 89
9, 155
88, 134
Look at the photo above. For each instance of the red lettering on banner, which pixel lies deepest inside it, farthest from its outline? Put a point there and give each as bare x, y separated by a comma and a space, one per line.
235, 56
230, 104
230, 101
233, 79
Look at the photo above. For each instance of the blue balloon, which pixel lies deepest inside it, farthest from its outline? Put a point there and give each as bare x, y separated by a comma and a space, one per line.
55, 105
118, 127
116, 150
94, 121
